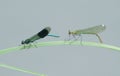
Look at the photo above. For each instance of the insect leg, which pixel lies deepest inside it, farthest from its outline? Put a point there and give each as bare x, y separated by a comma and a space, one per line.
25, 46
74, 38
99, 38
80, 38
29, 46
34, 44
69, 38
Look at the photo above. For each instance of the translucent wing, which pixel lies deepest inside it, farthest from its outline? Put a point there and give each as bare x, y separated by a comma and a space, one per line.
92, 30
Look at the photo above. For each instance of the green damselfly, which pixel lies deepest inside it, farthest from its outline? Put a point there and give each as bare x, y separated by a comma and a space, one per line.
43, 33
91, 30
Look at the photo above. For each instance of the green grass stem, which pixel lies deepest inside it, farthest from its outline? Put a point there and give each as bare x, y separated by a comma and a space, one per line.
21, 70
52, 43
56, 43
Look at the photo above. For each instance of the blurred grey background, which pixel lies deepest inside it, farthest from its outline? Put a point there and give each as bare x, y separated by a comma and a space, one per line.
20, 19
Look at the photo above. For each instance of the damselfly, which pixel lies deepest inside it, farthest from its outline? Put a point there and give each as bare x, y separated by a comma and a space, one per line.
43, 33
91, 30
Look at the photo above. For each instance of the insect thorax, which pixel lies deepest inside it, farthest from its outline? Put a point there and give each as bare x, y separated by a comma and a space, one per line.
27, 41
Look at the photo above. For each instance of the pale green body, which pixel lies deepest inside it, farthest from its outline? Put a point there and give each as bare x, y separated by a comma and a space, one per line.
91, 30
